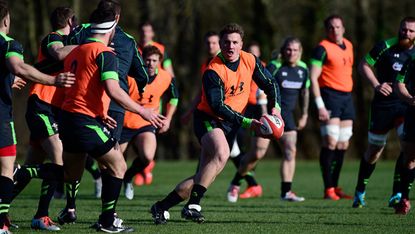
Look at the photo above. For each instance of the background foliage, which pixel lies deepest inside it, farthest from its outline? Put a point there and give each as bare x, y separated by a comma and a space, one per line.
180, 25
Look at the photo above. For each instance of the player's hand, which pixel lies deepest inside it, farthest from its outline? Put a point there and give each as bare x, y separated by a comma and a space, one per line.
302, 122
65, 80
256, 128
18, 83
323, 114
165, 127
385, 88
156, 119
276, 112
110, 122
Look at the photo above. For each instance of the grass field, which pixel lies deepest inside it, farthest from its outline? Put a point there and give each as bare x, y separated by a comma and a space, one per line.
261, 215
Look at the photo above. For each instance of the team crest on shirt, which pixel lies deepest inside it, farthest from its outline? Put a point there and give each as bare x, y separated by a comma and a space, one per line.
397, 66
106, 131
300, 74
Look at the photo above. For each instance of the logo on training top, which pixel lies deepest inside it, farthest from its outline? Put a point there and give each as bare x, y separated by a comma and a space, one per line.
397, 66
300, 74
291, 84
396, 55
284, 73
106, 131
240, 88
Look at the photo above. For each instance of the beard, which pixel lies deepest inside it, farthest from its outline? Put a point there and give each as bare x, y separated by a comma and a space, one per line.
405, 43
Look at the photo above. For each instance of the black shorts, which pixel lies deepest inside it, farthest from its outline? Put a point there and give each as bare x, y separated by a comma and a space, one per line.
384, 118
119, 118
41, 119
253, 112
83, 134
204, 123
409, 125
7, 134
289, 121
128, 134
339, 104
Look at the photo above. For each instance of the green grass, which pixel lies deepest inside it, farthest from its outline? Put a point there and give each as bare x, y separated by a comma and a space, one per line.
261, 215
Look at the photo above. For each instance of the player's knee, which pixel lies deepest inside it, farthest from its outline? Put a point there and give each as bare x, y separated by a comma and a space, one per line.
331, 133
289, 153
345, 134
377, 139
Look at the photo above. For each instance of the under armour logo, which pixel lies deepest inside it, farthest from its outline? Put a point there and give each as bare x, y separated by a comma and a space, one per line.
240, 87
396, 55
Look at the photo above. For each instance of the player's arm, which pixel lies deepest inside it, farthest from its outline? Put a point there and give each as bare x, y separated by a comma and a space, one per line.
171, 106
268, 84
304, 104
365, 69
106, 62
317, 60
273, 67
59, 52
400, 86
137, 69
16, 65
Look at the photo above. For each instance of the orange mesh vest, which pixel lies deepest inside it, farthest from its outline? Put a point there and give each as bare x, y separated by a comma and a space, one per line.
337, 70
87, 96
253, 99
236, 84
49, 94
150, 98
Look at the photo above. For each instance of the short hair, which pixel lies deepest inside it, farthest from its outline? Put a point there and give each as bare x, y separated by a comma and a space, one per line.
288, 41
150, 50
100, 16
210, 34
144, 24
4, 9
330, 18
114, 5
407, 19
59, 17
232, 28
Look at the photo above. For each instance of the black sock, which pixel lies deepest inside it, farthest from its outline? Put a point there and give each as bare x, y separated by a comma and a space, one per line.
399, 166
237, 179
92, 167
172, 199
237, 160
196, 194
337, 166
23, 177
407, 181
71, 192
6, 185
326, 159
285, 187
111, 187
48, 188
250, 179
365, 171
137, 166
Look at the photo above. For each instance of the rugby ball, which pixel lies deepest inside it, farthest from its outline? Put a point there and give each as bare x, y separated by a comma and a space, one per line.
272, 126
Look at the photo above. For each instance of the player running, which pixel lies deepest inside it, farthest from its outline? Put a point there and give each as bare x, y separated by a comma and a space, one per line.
84, 115
332, 84
217, 119
380, 67
12, 64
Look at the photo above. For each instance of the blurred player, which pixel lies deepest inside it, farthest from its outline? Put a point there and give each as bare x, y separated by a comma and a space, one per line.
139, 132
